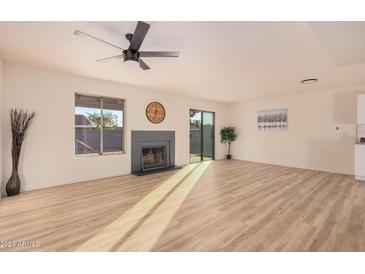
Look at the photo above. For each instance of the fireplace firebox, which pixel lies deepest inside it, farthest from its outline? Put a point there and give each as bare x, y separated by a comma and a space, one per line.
153, 157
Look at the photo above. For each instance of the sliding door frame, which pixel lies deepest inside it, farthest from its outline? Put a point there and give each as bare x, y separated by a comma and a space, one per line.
202, 133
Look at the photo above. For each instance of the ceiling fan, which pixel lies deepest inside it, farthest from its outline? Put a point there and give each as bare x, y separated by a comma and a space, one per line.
132, 53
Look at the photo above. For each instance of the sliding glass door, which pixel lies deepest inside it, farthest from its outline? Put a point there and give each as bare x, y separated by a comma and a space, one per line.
201, 135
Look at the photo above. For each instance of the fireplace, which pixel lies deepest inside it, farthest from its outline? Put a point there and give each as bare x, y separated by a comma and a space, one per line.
152, 151
153, 157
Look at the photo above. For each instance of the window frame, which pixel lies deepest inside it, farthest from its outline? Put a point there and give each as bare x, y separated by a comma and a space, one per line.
101, 153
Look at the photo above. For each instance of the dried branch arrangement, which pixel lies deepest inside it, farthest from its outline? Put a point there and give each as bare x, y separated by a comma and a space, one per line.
20, 123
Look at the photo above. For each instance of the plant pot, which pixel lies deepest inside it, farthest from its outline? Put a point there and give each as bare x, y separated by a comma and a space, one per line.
13, 184
229, 156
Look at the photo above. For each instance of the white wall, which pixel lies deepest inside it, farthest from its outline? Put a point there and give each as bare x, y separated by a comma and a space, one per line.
48, 153
311, 140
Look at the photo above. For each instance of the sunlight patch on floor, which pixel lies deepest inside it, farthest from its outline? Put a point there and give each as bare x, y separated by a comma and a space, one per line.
145, 237
117, 230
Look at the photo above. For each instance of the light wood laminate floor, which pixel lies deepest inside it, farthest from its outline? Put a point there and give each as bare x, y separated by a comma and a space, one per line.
209, 206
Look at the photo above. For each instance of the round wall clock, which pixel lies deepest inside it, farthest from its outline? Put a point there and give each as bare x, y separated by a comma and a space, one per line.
155, 112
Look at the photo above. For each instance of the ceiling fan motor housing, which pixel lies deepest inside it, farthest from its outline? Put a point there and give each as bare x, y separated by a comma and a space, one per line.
131, 55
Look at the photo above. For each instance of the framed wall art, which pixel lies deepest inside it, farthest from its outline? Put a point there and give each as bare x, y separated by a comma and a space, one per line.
276, 119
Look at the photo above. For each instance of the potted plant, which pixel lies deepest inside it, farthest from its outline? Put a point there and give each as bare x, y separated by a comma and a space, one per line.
228, 135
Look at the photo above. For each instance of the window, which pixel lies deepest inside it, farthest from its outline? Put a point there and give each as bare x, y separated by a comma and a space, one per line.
98, 124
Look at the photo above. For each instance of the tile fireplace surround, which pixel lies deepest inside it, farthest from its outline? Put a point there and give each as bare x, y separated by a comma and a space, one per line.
142, 139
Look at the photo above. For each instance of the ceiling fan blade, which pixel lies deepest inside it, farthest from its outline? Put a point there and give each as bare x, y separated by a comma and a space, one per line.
159, 53
143, 65
111, 58
84, 34
139, 35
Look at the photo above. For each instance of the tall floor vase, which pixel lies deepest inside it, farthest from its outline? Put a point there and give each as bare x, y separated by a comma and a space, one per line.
20, 123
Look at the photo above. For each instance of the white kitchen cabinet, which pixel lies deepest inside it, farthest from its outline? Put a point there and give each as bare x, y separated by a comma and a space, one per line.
360, 162
360, 135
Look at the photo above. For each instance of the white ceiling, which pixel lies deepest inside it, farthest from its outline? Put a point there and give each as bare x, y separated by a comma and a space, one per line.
223, 61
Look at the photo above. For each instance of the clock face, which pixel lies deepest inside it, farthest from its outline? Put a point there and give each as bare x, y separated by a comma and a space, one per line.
155, 112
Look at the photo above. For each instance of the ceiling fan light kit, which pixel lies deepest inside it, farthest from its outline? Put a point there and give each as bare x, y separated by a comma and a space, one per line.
132, 53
